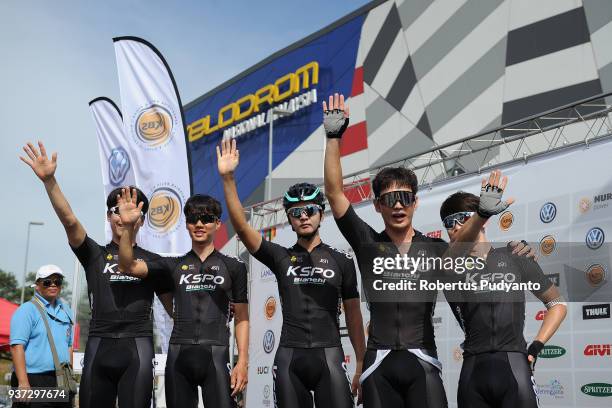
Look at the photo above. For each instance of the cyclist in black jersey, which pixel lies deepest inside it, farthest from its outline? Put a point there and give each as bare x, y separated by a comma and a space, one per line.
401, 368
496, 368
312, 278
118, 362
205, 282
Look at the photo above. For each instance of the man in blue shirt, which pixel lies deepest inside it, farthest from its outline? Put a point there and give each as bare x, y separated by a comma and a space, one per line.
30, 349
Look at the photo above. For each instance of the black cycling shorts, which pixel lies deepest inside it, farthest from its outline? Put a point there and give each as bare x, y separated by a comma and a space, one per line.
298, 371
189, 366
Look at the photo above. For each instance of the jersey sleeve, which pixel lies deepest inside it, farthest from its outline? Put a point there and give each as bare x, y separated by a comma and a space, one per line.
21, 324
239, 276
86, 253
348, 289
270, 254
354, 229
532, 272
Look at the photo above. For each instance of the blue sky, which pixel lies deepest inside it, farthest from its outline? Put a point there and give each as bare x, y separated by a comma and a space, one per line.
58, 55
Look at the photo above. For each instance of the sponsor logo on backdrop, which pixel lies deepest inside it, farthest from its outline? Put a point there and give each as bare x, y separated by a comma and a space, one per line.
434, 234
596, 275
595, 238
457, 354
268, 341
266, 391
118, 166
598, 350
506, 220
597, 389
553, 389
548, 212
540, 315
270, 307
437, 321
552, 351
600, 311
263, 370
599, 200
267, 275
154, 125
584, 205
547, 245
554, 278
165, 209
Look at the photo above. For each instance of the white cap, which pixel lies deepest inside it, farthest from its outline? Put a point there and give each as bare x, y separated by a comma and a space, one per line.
47, 270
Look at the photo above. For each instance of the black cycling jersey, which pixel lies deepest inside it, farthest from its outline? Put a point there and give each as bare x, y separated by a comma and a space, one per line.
202, 295
310, 286
494, 321
120, 304
395, 324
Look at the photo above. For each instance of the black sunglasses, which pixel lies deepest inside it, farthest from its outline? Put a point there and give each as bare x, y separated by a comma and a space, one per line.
310, 209
389, 199
48, 282
204, 218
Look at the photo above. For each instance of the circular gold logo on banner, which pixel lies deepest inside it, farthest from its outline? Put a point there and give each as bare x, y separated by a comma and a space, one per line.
164, 209
154, 125
596, 275
506, 220
585, 205
547, 245
270, 307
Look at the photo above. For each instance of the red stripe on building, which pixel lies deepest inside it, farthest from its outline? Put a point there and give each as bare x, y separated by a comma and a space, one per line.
221, 237
354, 139
357, 88
356, 194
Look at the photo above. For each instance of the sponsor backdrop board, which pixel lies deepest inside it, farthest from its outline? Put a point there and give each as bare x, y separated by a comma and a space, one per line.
575, 369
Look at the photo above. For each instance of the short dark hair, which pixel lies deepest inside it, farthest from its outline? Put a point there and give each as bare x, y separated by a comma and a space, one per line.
399, 176
459, 202
111, 200
201, 203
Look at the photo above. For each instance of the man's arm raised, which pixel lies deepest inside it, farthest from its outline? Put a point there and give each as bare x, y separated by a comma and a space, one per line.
44, 168
335, 121
228, 158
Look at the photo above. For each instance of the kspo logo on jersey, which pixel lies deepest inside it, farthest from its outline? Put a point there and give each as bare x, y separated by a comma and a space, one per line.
165, 205
200, 281
153, 126
268, 341
112, 268
548, 212
598, 350
595, 238
118, 166
309, 274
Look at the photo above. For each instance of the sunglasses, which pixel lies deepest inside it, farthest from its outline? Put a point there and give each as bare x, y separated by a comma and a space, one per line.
309, 210
115, 210
389, 199
48, 282
203, 218
457, 218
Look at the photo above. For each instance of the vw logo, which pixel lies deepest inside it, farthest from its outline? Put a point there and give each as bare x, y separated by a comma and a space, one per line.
268, 341
595, 238
118, 166
548, 212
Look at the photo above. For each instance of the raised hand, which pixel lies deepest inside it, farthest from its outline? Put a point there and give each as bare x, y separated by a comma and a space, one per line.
491, 192
43, 167
228, 157
129, 211
335, 116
